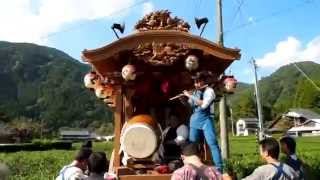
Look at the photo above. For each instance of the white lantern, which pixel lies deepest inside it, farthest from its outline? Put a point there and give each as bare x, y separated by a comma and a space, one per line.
89, 80
129, 72
192, 62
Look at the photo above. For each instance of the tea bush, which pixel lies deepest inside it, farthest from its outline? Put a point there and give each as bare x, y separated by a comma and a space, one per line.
244, 158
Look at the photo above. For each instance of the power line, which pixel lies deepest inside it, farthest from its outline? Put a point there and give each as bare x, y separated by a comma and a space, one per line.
306, 76
92, 21
274, 14
240, 3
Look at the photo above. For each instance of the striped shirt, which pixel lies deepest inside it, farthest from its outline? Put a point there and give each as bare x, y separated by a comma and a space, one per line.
191, 172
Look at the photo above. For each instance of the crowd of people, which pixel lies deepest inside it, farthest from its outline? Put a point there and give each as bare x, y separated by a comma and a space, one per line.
87, 165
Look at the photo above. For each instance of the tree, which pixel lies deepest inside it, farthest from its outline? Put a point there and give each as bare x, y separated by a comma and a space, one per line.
244, 105
308, 96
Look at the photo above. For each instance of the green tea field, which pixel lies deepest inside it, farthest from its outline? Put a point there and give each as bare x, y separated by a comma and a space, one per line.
244, 158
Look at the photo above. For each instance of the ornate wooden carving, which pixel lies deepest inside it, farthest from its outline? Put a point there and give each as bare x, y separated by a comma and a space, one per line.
160, 53
161, 20
104, 59
102, 87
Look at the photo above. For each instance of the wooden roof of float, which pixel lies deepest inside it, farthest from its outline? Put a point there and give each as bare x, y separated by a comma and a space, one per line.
161, 43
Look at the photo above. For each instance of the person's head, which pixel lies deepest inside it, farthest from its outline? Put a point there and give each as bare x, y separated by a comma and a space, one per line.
87, 144
82, 158
199, 80
98, 163
288, 145
190, 150
269, 148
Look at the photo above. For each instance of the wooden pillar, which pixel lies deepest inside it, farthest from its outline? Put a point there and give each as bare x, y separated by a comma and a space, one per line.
222, 104
118, 123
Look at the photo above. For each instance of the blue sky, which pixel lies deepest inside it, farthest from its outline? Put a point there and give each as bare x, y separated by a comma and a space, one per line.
275, 32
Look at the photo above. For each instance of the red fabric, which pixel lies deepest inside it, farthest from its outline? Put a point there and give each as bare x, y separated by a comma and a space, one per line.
165, 86
163, 169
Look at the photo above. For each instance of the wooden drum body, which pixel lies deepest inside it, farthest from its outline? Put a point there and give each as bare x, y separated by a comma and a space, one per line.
141, 136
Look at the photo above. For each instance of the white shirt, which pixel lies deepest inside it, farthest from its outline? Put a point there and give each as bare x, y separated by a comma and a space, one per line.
294, 157
71, 172
208, 97
182, 134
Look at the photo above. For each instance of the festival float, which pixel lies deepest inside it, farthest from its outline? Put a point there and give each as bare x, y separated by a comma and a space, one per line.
139, 75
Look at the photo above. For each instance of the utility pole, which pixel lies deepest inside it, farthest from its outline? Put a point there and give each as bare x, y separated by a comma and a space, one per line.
222, 103
256, 87
232, 124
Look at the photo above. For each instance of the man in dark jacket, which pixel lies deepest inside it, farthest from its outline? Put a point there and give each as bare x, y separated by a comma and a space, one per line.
97, 166
288, 147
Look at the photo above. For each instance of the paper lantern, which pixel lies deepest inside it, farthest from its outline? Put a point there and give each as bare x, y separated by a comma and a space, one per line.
128, 72
230, 84
89, 80
192, 62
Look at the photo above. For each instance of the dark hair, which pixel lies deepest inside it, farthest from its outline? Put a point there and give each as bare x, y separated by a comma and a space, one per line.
98, 163
200, 76
83, 154
290, 142
190, 149
270, 145
87, 144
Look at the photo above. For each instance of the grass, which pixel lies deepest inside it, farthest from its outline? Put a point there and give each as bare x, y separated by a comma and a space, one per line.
243, 150
37, 165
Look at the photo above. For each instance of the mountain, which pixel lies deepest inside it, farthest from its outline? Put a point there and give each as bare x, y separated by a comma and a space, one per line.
42, 84
285, 88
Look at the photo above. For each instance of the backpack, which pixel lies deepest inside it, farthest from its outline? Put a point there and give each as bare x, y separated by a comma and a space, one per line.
280, 172
296, 165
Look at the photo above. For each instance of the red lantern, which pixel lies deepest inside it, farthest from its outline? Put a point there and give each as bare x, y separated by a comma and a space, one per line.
230, 84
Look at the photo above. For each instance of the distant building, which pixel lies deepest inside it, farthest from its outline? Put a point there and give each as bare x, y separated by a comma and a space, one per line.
306, 122
105, 138
76, 135
247, 126
13, 135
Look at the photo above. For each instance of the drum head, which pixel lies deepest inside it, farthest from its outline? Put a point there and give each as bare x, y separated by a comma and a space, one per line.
139, 140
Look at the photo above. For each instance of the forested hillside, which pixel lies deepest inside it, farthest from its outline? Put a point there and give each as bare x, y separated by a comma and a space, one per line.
41, 84
285, 88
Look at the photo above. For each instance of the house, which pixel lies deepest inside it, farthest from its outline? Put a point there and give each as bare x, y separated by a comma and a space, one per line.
247, 126
105, 138
14, 135
75, 135
306, 122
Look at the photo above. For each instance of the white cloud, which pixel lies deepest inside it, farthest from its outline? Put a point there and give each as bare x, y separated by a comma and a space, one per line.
20, 22
291, 50
147, 8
